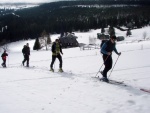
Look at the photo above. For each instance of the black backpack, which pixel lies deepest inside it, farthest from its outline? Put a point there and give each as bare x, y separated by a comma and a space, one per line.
23, 50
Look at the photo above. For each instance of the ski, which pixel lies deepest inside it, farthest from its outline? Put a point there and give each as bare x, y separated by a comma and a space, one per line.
145, 90
56, 71
30, 67
115, 82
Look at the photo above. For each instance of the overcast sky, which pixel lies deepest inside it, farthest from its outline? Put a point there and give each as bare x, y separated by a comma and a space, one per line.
27, 1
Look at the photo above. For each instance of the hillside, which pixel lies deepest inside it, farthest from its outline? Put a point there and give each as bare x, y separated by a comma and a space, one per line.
71, 16
37, 90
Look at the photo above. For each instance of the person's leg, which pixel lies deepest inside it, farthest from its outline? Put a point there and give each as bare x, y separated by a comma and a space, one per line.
53, 60
60, 61
27, 57
23, 60
108, 65
5, 63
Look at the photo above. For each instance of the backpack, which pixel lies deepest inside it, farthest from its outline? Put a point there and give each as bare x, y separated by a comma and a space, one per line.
103, 41
23, 50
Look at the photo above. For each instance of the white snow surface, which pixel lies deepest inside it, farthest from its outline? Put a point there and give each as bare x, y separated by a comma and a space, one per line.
37, 90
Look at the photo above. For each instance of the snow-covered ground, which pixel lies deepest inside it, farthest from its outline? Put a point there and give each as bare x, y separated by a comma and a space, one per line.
17, 6
37, 90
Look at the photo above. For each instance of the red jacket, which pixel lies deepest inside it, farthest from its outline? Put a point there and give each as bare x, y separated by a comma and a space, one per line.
4, 56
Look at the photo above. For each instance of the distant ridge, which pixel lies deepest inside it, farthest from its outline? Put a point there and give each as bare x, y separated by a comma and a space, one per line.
71, 16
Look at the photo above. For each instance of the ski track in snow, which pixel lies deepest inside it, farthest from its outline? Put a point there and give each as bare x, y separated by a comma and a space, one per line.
37, 93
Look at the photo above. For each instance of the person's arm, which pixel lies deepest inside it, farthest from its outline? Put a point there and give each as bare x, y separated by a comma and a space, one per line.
116, 51
61, 49
53, 47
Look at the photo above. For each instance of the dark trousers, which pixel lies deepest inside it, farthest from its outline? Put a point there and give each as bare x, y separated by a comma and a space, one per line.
26, 58
54, 58
108, 64
4, 63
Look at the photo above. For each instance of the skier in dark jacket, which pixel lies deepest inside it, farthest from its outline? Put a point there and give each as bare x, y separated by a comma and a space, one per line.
26, 54
56, 50
4, 55
23, 51
106, 50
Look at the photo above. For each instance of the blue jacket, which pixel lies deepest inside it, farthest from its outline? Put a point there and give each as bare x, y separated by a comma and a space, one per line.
108, 47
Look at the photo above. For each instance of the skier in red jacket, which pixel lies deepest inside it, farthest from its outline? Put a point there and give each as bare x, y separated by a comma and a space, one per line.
4, 55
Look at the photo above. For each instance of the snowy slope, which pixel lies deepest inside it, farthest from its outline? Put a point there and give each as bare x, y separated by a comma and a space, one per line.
37, 90
17, 6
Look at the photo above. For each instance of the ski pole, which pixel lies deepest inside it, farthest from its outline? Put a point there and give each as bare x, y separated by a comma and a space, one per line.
102, 65
113, 66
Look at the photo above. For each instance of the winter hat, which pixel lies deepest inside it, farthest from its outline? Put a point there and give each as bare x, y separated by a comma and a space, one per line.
56, 40
113, 37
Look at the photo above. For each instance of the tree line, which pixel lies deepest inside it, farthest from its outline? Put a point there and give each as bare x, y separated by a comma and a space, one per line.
70, 16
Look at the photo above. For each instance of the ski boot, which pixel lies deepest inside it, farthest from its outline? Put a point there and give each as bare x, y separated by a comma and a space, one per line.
61, 70
4, 65
104, 79
52, 70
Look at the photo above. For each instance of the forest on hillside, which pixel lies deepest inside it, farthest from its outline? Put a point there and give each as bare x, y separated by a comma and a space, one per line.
70, 16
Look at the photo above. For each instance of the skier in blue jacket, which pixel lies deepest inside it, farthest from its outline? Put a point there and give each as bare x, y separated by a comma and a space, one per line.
107, 49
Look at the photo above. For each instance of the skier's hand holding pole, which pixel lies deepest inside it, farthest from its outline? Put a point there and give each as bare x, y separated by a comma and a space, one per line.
119, 53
